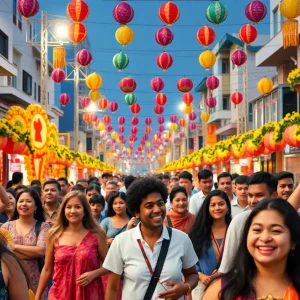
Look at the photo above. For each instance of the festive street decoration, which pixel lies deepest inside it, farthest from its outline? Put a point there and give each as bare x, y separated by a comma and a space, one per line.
192, 116
164, 36
184, 85
113, 106
255, 11
181, 122
161, 99
59, 57
130, 99
64, 99
236, 98
28, 8
148, 130
238, 57
206, 36
106, 119
121, 128
169, 13
120, 61
294, 80
211, 102
135, 108
216, 13
205, 117
187, 98
121, 120
161, 128
158, 109
157, 84
173, 119
173, 127
93, 81
84, 57
187, 109
77, 10
148, 121
102, 104
160, 119
94, 95
248, 34
164, 61
193, 126
124, 35
88, 118
85, 102
76, 33
135, 121
58, 75
123, 13
134, 130
207, 59
212, 82
265, 86
127, 85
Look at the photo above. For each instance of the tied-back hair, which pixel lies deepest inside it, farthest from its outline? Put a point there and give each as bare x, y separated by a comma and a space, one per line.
61, 223
200, 234
238, 282
112, 196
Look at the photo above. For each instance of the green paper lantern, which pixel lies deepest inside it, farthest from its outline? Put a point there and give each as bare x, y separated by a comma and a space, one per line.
216, 13
120, 61
130, 99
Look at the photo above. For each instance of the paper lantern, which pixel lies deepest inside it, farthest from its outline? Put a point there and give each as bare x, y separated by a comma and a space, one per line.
173, 127
59, 57
28, 8
135, 108
164, 61
94, 95
291, 136
130, 99
135, 121
160, 119
212, 82
216, 13
121, 128
100, 127
192, 116
248, 34
270, 143
157, 84
161, 128
181, 135
77, 10
169, 13
124, 35
84, 57
148, 121
211, 102
102, 103
254, 150
76, 33
161, 99
12, 147
255, 11
187, 98
184, 85
127, 85
158, 109
205, 117
3, 142
187, 109
123, 13
106, 119
265, 86
134, 130
114, 135
64, 99
85, 102
120, 61
93, 81
193, 126
109, 128
238, 57
58, 75
182, 122
236, 98
206, 36
148, 129
87, 118
113, 106
121, 120
164, 36
173, 119
207, 59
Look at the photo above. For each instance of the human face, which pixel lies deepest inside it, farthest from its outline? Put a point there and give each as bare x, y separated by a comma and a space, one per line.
241, 192
51, 194
172, 184
225, 185
97, 209
206, 185
152, 211
285, 188
187, 184
74, 211
166, 181
180, 203
26, 205
63, 188
217, 208
104, 180
269, 239
119, 206
11, 204
116, 179
91, 193
256, 193
110, 188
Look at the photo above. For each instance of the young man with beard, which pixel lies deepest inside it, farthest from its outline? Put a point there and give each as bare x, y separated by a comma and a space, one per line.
51, 198
285, 186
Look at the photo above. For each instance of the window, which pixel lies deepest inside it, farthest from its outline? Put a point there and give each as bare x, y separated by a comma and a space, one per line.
225, 66
191, 143
250, 113
226, 103
39, 94
34, 91
15, 12
27, 83
289, 101
275, 20
3, 44
200, 141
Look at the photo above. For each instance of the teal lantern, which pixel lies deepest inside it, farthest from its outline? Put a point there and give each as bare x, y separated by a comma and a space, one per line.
216, 13
120, 61
130, 99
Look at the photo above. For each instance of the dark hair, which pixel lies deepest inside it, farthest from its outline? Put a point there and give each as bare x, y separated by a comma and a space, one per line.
63, 179
176, 190
186, 175
234, 176
11, 191
93, 186
200, 234
106, 175
159, 176
128, 181
9, 184
52, 181
82, 180
78, 187
116, 176
35, 182
20, 187
39, 213
141, 188
17, 177
284, 175
108, 182
224, 175
97, 199
239, 280
204, 174
166, 176
93, 179
242, 179
264, 178
112, 196
38, 189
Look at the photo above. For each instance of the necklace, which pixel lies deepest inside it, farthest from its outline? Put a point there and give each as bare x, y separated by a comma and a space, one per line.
269, 297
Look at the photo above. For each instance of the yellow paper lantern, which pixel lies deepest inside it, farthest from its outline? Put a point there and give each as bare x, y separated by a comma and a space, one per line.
118, 140
265, 86
93, 81
205, 117
148, 144
173, 126
101, 127
114, 135
290, 9
94, 95
129, 150
59, 57
124, 35
168, 134
187, 109
207, 59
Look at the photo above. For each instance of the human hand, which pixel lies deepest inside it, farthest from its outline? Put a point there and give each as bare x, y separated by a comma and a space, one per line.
177, 291
85, 278
131, 223
109, 241
204, 278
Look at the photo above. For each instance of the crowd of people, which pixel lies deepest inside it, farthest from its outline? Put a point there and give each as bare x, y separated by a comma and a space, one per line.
153, 237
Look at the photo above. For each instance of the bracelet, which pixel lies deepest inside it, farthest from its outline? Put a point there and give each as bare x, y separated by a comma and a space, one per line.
189, 290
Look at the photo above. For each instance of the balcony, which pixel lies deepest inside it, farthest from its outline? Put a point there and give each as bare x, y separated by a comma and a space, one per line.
220, 115
225, 79
227, 130
7, 68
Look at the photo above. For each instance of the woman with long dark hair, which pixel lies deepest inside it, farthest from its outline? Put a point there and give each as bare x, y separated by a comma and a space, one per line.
208, 237
268, 262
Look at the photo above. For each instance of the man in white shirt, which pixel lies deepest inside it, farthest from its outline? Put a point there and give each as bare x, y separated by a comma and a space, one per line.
240, 203
285, 186
205, 179
225, 185
104, 178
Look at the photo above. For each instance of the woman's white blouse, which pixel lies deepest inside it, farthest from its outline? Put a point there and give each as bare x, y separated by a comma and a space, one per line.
125, 256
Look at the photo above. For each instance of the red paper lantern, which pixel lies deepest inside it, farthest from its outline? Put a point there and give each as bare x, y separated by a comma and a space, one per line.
187, 98
192, 116
58, 75
290, 136
158, 109
113, 106
148, 121
239, 57
206, 36
87, 118
271, 145
121, 129
127, 85
121, 120
184, 85
3, 142
182, 123
134, 130
164, 36
123, 13
106, 120
161, 99
252, 150
135, 108
157, 84
160, 120
64, 99
109, 128
212, 82
102, 103
164, 61
248, 34
77, 10
76, 32
169, 13
135, 121
211, 102
28, 8
236, 98
84, 57
148, 130
14, 147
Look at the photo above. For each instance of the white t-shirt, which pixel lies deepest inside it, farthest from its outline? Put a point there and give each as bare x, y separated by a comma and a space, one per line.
125, 256
233, 239
236, 208
196, 202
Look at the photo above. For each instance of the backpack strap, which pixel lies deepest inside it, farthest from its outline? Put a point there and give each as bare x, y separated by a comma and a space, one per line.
169, 221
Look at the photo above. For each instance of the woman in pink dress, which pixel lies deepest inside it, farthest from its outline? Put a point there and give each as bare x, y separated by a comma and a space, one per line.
75, 249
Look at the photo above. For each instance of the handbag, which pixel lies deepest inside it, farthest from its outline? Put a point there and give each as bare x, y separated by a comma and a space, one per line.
159, 265
37, 229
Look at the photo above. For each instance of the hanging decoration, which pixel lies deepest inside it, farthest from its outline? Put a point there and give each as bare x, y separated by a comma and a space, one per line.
193, 126
206, 36
160, 120
134, 130
106, 119
102, 104
164, 36
236, 98
121, 120
187, 98
28, 8
84, 57
173, 126
169, 13
182, 122
127, 85
238, 57
113, 106
181, 134
64, 99
85, 102
124, 35
93, 81
148, 130
157, 84
255, 11
135, 121
76, 33
158, 109
123, 13
192, 116
265, 86
212, 82
77, 11
130, 99
248, 34
184, 85
207, 59
121, 128
59, 57
211, 102
164, 61
120, 61
135, 108
161, 99
94, 95
58, 75
161, 128
88, 118
216, 13
173, 119
205, 116
187, 109
148, 121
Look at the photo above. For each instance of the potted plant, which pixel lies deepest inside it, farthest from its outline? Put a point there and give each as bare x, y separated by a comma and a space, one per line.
294, 80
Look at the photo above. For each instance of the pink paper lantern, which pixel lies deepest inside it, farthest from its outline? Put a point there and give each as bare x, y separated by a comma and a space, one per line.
192, 116
109, 128
255, 11
148, 121
121, 120
121, 129
173, 119
135, 121
123, 13
157, 84
238, 57
158, 109
193, 126
212, 82
181, 134
58, 75
134, 130
164, 36
161, 128
113, 106
211, 102
85, 102
84, 57
64, 99
28, 8
160, 120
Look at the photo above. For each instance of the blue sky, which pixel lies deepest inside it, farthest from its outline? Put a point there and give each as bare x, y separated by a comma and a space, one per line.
142, 52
